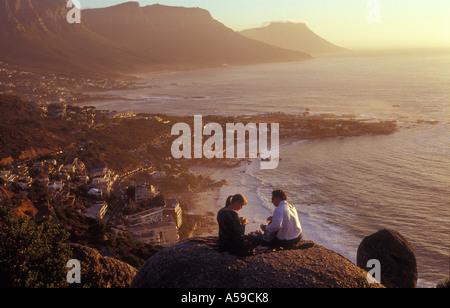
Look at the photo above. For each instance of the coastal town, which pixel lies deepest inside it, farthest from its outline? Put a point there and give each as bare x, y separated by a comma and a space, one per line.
108, 175
48, 183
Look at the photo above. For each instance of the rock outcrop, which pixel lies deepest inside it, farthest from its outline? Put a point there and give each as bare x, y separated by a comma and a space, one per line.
196, 263
101, 272
396, 256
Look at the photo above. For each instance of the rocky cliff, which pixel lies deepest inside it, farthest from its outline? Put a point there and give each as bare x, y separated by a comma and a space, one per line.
196, 263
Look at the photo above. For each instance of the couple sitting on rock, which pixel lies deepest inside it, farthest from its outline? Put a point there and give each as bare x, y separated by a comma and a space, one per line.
283, 229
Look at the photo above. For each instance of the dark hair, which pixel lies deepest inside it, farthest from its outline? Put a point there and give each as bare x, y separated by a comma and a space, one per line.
281, 194
235, 198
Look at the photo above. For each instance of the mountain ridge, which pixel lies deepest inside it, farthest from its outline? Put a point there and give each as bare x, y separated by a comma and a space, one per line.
293, 36
125, 39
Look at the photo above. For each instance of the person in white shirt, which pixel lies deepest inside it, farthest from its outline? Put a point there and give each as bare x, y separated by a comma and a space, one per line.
284, 222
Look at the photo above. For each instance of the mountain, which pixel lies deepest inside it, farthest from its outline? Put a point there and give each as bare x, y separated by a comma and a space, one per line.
293, 36
124, 39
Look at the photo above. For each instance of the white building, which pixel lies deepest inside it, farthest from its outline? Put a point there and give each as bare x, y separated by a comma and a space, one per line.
164, 232
97, 210
95, 192
144, 192
150, 216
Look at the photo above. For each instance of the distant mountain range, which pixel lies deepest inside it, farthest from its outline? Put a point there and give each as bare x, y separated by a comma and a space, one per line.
293, 36
125, 39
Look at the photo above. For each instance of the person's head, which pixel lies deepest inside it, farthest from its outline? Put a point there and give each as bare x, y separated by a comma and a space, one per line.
235, 202
278, 196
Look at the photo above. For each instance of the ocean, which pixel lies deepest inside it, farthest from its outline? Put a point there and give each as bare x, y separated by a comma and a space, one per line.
343, 188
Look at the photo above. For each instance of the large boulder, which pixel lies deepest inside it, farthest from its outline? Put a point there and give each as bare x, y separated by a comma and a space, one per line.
196, 263
98, 271
396, 256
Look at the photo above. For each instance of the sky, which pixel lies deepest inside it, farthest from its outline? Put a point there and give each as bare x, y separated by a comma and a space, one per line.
356, 24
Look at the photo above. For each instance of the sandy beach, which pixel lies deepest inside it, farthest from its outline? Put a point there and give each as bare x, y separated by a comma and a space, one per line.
239, 182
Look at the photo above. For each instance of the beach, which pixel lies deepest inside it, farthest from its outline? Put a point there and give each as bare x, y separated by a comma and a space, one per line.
209, 202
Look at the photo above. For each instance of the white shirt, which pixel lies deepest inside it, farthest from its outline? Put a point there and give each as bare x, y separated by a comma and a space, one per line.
285, 221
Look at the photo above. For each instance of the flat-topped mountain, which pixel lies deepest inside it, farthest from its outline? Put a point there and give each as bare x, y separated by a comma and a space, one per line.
124, 39
294, 36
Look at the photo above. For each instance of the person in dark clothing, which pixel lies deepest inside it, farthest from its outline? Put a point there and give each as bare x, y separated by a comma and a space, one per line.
232, 227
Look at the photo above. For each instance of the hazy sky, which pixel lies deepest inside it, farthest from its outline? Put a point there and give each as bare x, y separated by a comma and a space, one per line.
402, 23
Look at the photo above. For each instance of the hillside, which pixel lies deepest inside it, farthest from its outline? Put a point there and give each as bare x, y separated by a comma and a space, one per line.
124, 39
24, 135
293, 36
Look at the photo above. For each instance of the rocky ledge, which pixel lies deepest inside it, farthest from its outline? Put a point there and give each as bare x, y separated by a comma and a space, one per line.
196, 263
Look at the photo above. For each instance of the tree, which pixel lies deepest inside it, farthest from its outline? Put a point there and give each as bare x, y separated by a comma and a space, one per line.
32, 255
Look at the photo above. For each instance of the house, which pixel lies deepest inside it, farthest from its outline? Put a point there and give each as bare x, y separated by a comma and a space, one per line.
101, 173
104, 185
79, 165
144, 192
70, 169
95, 192
4, 175
84, 179
55, 187
97, 210
158, 175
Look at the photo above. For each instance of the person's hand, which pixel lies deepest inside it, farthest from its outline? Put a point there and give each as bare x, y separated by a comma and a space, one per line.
244, 221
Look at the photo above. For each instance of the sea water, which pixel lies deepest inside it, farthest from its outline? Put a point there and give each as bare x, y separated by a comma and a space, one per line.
344, 188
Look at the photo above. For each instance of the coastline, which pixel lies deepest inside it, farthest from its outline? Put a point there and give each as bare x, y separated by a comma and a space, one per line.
240, 180
210, 201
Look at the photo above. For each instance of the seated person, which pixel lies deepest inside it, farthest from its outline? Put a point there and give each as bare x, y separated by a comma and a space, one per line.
285, 229
232, 227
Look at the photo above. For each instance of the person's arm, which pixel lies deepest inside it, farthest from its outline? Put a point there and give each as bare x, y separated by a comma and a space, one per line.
277, 221
237, 224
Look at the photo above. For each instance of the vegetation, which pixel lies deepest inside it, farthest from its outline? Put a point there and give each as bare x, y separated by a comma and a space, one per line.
32, 255
96, 234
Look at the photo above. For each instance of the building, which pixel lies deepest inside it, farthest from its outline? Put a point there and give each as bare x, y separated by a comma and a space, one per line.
102, 180
5, 175
95, 192
69, 168
104, 185
172, 208
158, 175
144, 192
151, 216
97, 210
163, 233
101, 173
79, 165
55, 187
